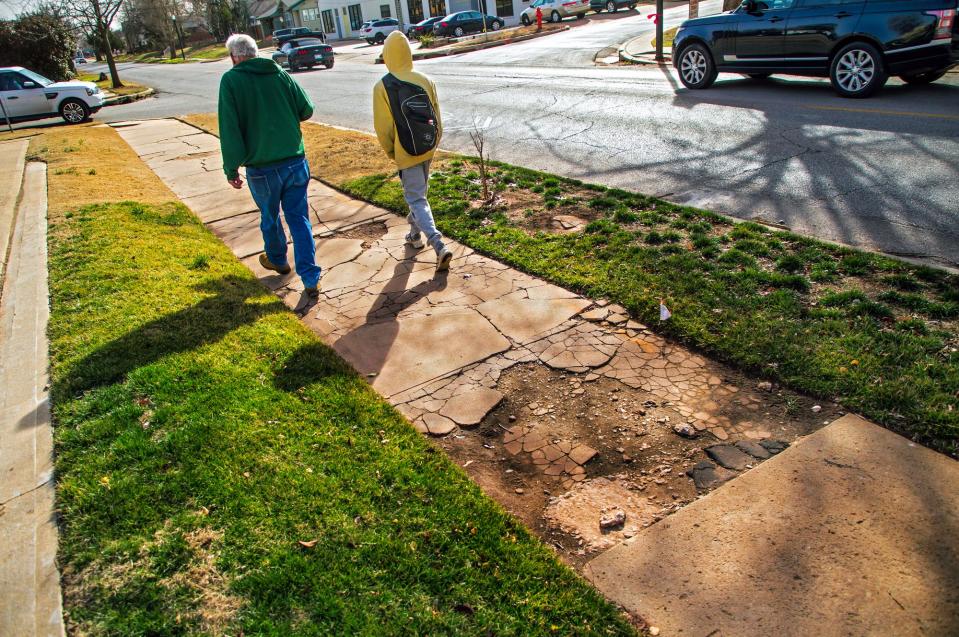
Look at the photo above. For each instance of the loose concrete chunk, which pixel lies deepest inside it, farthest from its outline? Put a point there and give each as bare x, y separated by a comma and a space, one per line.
582, 454
774, 446
708, 476
729, 457
754, 449
438, 425
471, 407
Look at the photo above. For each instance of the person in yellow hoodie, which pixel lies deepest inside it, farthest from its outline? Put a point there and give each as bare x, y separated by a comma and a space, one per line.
414, 168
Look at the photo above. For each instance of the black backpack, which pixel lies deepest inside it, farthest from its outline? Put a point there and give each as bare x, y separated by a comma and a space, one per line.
413, 113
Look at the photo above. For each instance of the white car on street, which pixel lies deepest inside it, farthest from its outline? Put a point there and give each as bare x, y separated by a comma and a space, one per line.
27, 95
554, 10
376, 31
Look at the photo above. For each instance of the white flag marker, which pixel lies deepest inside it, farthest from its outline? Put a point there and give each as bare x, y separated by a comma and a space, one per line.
664, 312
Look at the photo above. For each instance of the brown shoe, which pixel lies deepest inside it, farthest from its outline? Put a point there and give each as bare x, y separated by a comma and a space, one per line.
269, 265
313, 293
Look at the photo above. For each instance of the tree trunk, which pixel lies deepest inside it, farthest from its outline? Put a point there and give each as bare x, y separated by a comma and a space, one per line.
729, 5
111, 63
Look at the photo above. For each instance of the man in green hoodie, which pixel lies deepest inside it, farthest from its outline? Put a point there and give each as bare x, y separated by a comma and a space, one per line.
260, 110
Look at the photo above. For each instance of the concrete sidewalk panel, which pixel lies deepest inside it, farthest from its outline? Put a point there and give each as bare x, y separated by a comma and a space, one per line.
852, 531
12, 157
29, 582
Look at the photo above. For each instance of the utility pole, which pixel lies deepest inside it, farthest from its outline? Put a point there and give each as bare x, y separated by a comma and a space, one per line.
659, 30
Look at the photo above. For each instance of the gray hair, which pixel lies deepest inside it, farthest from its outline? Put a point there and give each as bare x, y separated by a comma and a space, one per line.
241, 46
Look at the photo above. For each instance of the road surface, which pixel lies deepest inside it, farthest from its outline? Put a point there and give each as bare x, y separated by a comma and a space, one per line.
881, 174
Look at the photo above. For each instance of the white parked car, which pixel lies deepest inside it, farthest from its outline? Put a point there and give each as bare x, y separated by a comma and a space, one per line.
376, 31
554, 10
27, 95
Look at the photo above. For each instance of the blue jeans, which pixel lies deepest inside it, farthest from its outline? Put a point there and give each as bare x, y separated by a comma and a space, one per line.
285, 183
416, 185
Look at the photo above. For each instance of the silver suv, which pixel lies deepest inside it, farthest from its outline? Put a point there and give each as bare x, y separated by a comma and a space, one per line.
26, 95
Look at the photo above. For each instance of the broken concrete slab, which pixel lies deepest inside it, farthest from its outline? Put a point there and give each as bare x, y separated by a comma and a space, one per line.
404, 354
469, 408
522, 319
730, 457
843, 532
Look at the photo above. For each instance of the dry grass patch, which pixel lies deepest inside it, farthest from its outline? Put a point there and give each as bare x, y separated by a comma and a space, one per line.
90, 164
336, 155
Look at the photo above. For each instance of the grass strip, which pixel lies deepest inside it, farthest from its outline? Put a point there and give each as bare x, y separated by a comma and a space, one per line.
875, 334
221, 471
128, 88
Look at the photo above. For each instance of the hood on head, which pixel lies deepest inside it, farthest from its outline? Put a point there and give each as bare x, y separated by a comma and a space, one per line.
397, 54
259, 66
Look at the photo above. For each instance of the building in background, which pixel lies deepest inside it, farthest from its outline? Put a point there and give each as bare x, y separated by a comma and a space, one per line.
342, 20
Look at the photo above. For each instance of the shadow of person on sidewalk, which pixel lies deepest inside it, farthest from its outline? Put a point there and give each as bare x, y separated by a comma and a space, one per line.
367, 346
205, 322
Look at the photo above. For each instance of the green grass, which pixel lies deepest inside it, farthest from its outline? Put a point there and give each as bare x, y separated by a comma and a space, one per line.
202, 433
768, 301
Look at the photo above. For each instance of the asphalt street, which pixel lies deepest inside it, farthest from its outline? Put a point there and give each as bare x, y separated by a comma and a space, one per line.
881, 173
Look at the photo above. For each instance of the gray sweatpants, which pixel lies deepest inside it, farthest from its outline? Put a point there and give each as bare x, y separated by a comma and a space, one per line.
416, 183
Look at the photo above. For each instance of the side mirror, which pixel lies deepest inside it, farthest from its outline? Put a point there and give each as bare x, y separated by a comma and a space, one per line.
750, 6
29, 84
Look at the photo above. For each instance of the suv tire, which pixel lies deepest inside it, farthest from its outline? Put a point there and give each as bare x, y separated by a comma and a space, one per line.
525, 20
380, 38
611, 6
923, 78
74, 111
555, 17
857, 70
696, 67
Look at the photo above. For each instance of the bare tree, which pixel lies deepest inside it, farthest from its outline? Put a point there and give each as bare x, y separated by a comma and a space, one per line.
479, 143
97, 16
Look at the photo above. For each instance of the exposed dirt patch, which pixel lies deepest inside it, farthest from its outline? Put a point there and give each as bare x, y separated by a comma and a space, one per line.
368, 232
641, 461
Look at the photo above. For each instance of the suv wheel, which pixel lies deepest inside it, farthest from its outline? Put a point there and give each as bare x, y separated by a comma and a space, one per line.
555, 17
611, 6
458, 32
380, 38
923, 78
74, 111
696, 67
857, 70
525, 20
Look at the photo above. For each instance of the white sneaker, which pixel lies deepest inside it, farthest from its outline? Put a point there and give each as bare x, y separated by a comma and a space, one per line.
443, 260
417, 243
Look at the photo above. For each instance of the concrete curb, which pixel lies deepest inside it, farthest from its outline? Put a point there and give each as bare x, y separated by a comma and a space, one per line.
646, 57
126, 99
427, 55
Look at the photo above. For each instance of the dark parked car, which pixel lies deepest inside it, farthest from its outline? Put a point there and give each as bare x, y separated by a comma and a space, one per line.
612, 6
858, 44
464, 22
421, 28
304, 53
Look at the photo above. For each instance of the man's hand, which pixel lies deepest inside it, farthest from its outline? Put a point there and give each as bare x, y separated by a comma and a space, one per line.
236, 183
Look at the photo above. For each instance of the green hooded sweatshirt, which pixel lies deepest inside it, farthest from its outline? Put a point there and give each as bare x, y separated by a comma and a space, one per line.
260, 110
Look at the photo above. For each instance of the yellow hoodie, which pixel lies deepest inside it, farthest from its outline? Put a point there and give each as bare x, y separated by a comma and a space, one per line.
399, 60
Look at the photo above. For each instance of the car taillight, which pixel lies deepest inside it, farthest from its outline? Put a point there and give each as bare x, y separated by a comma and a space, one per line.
944, 29
303, 52
443, 24
571, 4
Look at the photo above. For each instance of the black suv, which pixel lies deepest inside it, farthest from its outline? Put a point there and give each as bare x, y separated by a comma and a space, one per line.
858, 44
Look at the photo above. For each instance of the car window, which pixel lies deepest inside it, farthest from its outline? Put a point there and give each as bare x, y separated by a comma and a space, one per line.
475, 15
36, 77
286, 46
775, 5
10, 82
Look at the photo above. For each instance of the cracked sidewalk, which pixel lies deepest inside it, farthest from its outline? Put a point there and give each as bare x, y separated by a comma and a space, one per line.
445, 348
